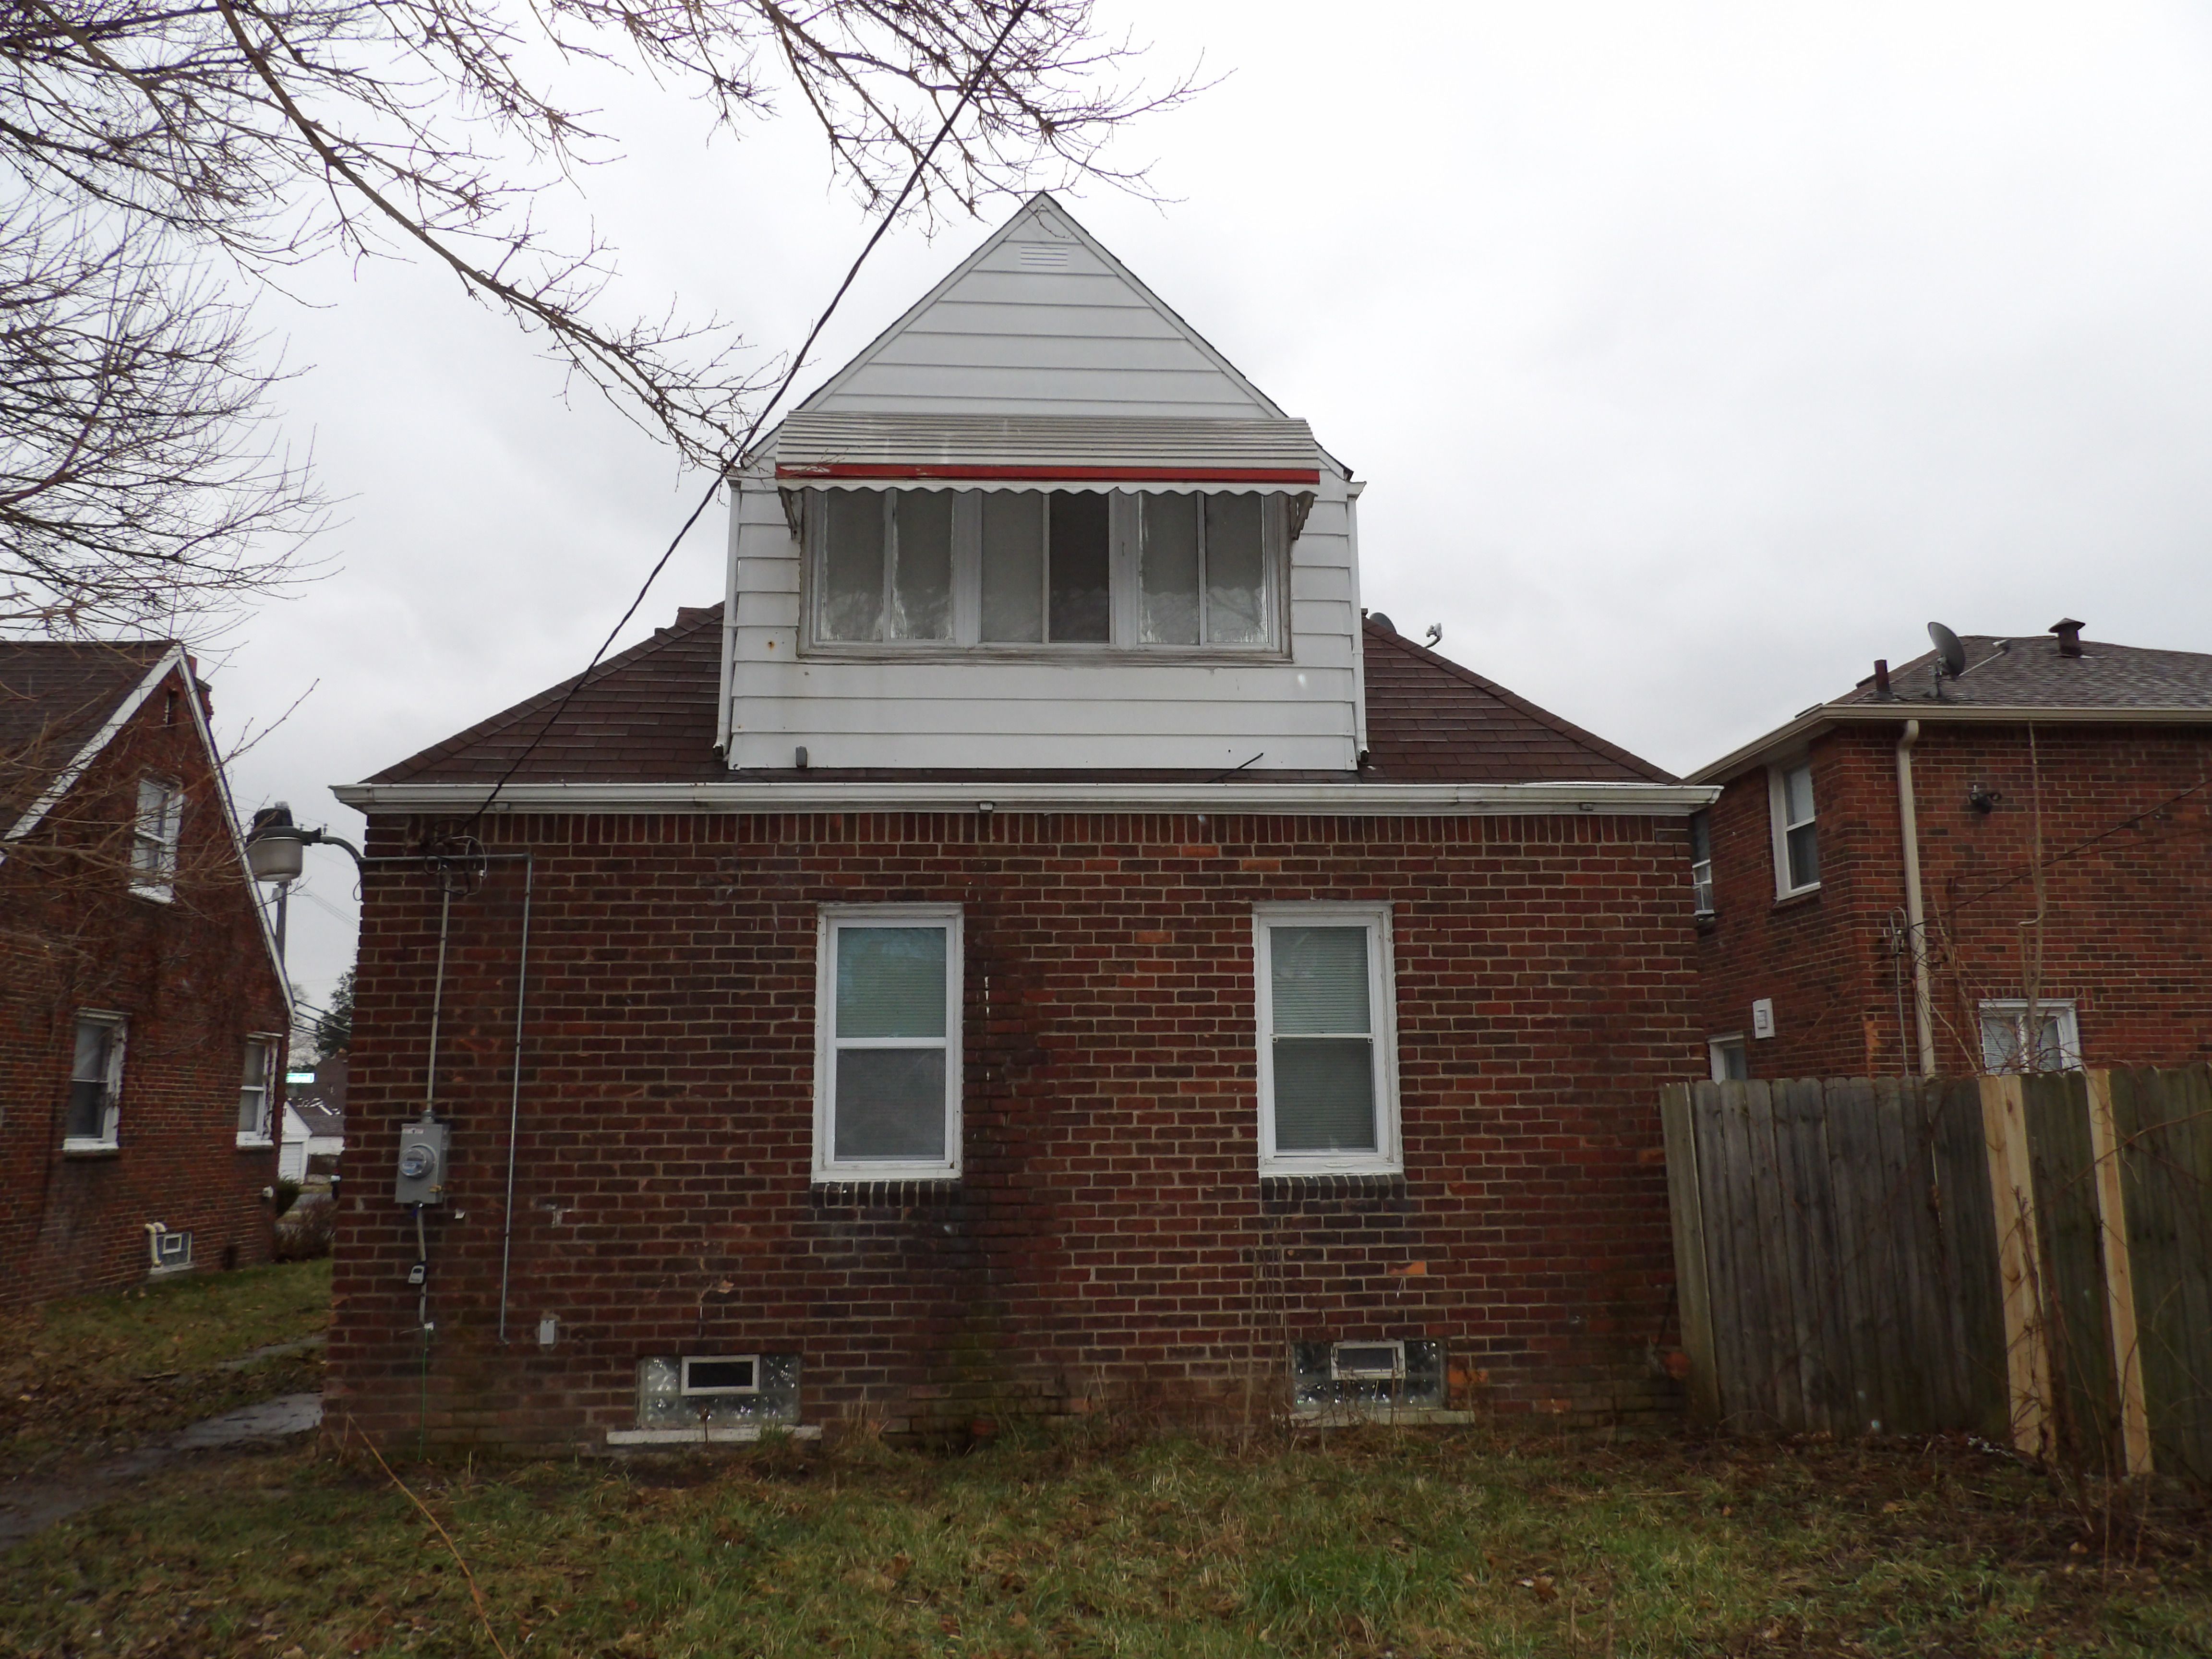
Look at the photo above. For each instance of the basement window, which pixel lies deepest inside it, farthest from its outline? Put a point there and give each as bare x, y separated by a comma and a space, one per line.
1327, 1070
887, 1033
93, 1119
902, 571
1796, 840
1731, 1058
685, 1391
1360, 1378
154, 839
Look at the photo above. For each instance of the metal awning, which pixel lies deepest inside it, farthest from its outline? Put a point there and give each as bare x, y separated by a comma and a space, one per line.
1044, 452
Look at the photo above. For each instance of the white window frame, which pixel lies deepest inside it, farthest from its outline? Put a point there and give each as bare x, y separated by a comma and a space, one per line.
2060, 1011
1716, 1047
1778, 811
1124, 573
1389, 1156
267, 1042
161, 886
1701, 870
830, 921
110, 1130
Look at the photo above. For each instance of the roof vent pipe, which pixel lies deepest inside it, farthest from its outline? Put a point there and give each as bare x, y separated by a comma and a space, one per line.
2070, 636
1881, 676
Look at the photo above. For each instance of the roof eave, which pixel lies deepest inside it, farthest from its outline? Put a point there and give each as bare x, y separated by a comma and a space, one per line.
1328, 799
1814, 721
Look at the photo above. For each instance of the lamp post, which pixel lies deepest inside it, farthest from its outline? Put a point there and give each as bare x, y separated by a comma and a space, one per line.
276, 851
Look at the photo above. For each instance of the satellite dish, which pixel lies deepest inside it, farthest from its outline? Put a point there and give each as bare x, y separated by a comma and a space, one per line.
1382, 622
1949, 653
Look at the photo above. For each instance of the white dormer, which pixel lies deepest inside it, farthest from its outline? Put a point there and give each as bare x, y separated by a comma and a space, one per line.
1041, 525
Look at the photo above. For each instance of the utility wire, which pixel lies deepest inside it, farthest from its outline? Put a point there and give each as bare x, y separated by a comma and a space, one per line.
2080, 847
799, 360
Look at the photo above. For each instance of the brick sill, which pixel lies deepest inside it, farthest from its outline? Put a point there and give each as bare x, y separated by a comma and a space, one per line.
1797, 900
90, 1149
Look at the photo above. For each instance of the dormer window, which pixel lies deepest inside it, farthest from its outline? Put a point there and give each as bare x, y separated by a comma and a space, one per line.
1016, 571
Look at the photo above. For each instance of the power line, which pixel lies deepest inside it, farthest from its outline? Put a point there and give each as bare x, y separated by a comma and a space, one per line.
798, 362
2080, 846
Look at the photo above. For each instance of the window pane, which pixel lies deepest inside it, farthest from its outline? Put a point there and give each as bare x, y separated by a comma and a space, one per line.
1701, 838
921, 583
88, 1100
1013, 565
852, 564
1324, 1094
890, 1103
1078, 607
1797, 794
1804, 856
1735, 1063
891, 983
88, 1112
1170, 570
2000, 1042
1319, 980
1236, 587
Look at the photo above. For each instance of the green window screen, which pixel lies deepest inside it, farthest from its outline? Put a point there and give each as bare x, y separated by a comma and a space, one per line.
1324, 1095
1319, 981
891, 983
890, 1103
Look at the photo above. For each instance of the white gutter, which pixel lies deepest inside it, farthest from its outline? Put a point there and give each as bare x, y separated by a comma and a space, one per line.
1333, 800
1923, 1010
1823, 715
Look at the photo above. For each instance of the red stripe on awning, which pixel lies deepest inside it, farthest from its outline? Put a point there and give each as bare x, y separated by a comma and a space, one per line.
1309, 476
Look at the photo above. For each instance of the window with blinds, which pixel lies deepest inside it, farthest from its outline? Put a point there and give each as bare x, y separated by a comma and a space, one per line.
888, 1019
1327, 1061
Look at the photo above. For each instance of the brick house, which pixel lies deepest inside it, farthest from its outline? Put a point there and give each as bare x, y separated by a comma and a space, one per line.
1033, 948
1868, 875
143, 1014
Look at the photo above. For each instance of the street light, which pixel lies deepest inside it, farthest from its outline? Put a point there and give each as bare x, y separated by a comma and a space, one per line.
276, 851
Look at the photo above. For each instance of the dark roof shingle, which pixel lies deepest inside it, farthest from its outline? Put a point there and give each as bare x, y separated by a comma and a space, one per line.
2032, 673
55, 695
647, 716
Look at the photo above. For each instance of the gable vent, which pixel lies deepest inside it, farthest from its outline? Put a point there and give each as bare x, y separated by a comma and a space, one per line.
1044, 256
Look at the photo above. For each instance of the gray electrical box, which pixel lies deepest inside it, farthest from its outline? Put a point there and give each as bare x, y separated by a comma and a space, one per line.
422, 1176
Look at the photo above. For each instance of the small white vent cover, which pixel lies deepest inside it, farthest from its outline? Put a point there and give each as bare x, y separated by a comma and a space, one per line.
1044, 256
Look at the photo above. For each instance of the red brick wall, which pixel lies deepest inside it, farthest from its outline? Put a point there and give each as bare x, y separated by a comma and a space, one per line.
193, 977
2128, 904
1111, 1240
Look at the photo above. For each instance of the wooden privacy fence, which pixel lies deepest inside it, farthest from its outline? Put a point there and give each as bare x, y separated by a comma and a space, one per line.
2028, 1258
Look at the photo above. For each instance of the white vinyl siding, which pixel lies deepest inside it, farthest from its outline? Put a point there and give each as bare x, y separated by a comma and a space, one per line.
154, 839
94, 1117
887, 1053
1796, 831
1326, 1039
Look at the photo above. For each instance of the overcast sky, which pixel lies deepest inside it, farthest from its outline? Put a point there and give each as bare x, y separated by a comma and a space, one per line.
1694, 356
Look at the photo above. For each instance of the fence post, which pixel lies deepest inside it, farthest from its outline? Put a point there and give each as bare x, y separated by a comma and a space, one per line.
2119, 1275
2012, 1194
1691, 1287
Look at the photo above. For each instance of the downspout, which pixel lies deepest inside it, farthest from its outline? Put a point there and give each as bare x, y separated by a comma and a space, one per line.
1915, 928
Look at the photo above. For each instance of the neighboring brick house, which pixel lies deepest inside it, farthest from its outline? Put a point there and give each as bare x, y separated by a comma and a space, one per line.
1033, 948
142, 1011
2102, 752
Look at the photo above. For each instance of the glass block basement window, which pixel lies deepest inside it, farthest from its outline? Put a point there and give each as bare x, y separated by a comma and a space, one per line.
662, 1403
1315, 1386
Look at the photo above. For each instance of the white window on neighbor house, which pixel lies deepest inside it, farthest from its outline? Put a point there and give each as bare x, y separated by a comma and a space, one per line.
154, 839
1731, 1058
1017, 570
2005, 1047
887, 1043
94, 1114
1796, 844
1701, 862
1328, 1039
256, 1092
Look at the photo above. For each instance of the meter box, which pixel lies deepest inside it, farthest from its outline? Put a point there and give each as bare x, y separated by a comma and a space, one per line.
422, 1178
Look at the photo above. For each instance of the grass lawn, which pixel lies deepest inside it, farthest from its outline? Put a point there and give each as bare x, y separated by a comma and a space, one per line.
1372, 1544
97, 1375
